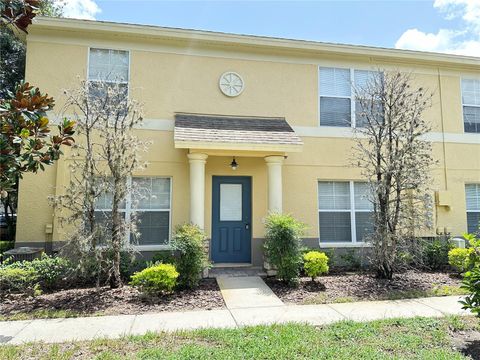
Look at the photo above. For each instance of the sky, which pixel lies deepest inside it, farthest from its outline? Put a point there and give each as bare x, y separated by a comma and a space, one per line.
449, 26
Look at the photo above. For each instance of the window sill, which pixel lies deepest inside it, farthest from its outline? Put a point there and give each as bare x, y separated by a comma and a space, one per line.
345, 245
152, 247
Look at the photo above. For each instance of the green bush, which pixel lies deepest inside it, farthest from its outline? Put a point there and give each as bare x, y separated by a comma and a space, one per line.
189, 242
51, 271
130, 264
6, 245
17, 280
460, 258
164, 256
435, 253
283, 246
156, 280
471, 278
315, 264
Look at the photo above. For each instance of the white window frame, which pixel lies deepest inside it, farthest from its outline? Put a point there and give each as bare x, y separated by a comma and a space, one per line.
466, 208
353, 115
127, 82
128, 211
352, 211
470, 105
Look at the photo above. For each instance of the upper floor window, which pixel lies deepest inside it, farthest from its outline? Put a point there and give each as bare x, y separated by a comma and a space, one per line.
472, 194
344, 211
338, 105
471, 105
110, 67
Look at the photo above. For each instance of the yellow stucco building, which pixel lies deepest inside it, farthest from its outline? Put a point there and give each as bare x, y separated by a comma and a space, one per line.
282, 109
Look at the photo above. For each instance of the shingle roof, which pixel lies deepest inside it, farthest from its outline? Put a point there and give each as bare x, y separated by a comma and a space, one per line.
234, 129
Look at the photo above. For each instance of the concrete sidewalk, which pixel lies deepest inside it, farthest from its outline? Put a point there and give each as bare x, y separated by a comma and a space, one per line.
87, 328
246, 292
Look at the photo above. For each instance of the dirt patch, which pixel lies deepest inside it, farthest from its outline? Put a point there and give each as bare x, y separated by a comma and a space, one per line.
345, 287
106, 301
467, 342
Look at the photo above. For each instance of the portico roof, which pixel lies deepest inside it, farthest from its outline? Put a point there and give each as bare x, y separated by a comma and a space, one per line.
200, 131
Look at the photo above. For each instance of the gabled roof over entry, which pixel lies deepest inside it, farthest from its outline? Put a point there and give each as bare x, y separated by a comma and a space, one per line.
195, 131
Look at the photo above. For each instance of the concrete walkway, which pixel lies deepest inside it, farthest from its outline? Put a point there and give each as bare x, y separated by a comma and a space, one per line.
246, 292
87, 328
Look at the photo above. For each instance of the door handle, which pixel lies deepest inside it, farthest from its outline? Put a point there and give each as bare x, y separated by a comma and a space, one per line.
247, 226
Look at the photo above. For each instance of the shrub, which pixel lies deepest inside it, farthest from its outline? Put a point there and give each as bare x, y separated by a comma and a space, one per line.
50, 271
283, 245
6, 245
189, 242
315, 263
17, 280
471, 278
156, 280
460, 258
435, 253
130, 264
165, 257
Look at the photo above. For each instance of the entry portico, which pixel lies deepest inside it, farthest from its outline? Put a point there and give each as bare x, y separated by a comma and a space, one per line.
212, 143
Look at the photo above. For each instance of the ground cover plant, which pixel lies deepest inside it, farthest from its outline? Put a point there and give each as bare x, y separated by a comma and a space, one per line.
157, 279
420, 338
315, 263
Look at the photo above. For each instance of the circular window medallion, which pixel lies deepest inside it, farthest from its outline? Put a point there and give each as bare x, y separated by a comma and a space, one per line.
231, 84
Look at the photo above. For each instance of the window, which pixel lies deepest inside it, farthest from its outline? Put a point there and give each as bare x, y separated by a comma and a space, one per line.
472, 194
344, 211
337, 95
153, 210
471, 105
109, 66
152, 206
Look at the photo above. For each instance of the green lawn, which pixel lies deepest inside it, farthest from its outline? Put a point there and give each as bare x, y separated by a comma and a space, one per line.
420, 338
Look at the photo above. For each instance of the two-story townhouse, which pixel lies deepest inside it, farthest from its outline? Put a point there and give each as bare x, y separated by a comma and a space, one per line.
244, 125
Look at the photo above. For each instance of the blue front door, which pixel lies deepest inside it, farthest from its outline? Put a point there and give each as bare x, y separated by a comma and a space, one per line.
231, 219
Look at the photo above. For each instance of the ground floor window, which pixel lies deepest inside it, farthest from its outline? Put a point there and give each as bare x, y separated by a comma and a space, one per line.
151, 203
344, 212
472, 194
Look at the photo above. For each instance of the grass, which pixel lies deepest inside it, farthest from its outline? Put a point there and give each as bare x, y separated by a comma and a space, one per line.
419, 338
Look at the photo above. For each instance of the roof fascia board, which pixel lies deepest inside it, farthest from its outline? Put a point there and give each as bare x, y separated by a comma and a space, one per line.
222, 39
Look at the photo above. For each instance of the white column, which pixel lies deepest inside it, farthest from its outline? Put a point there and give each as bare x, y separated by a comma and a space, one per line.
197, 188
274, 166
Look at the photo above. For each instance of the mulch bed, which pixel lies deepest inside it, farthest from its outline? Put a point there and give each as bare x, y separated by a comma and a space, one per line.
343, 287
106, 301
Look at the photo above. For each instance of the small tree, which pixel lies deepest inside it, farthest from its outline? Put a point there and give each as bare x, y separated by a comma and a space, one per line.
396, 160
106, 156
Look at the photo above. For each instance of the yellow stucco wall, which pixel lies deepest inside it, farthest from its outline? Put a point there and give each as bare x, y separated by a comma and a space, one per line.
177, 77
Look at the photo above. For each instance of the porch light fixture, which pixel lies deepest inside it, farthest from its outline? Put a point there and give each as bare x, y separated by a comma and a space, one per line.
234, 164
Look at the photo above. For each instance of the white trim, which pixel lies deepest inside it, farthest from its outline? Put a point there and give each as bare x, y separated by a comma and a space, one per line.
345, 245
309, 131
158, 124
347, 132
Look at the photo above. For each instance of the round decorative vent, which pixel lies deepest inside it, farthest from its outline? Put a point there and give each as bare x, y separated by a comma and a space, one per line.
231, 84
